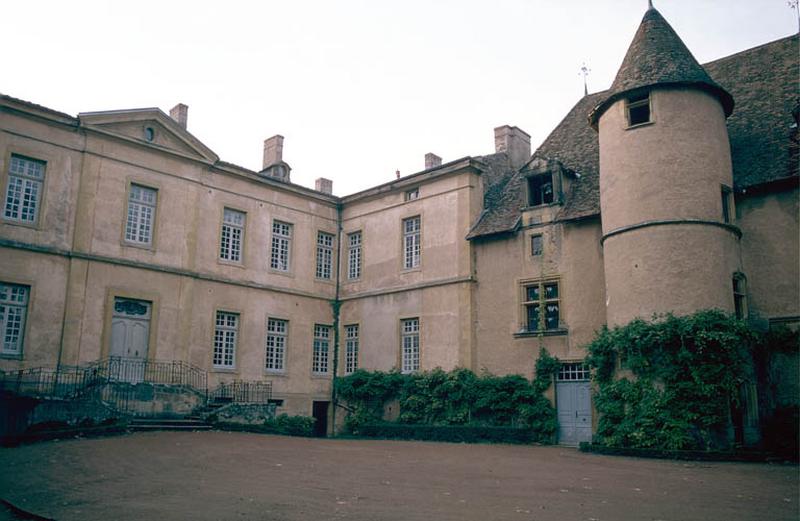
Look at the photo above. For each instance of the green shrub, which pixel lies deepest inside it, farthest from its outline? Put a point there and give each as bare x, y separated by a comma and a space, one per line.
451, 433
290, 425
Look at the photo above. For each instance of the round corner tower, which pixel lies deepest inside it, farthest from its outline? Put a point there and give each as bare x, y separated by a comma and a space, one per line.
665, 182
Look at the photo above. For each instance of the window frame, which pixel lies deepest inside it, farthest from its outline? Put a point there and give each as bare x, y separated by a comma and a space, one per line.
351, 347
410, 359
412, 243
576, 371
223, 366
526, 304
534, 251
40, 183
740, 308
150, 244
726, 199
22, 318
324, 255
355, 252
278, 337
242, 228
412, 194
320, 358
277, 240
635, 102
536, 194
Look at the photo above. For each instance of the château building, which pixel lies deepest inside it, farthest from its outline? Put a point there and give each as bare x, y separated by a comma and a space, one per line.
122, 234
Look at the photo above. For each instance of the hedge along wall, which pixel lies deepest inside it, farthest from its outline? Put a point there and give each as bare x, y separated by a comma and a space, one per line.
669, 383
458, 397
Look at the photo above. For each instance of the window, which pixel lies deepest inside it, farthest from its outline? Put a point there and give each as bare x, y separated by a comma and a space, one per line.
572, 371
411, 251
350, 348
225, 332
232, 237
149, 134
319, 362
276, 345
409, 331
354, 255
537, 245
412, 194
540, 189
25, 182
324, 255
638, 109
538, 295
726, 204
13, 310
740, 295
141, 213
281, 244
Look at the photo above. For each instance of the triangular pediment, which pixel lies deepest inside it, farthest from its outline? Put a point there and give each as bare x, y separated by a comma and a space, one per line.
151, 127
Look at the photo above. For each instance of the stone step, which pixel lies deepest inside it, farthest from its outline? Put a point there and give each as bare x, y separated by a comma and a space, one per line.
150, 424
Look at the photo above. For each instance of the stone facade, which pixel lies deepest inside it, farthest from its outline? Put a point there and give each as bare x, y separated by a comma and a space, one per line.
477, 262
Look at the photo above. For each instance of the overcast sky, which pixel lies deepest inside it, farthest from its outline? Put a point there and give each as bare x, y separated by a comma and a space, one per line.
358, 88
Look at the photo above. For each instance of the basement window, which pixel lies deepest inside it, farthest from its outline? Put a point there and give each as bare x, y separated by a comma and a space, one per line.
540, 189
638, 109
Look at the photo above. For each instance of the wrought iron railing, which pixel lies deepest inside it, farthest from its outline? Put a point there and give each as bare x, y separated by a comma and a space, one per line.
241, 391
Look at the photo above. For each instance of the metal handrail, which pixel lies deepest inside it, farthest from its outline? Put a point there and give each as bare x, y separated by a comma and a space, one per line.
242, 391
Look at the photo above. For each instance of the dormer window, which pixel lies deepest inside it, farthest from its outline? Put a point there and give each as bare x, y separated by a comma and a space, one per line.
638, 108
540, 189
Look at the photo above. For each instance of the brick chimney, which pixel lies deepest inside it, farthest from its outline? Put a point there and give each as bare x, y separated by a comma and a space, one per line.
432, 161
324, 185
274, 166
180, 113
515, 142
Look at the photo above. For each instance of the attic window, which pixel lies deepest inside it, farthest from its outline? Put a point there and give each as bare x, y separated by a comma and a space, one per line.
412, 194
540, 189
149, 134
638, 109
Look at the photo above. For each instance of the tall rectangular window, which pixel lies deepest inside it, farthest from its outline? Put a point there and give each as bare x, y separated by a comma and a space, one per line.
411, 246
409, 339
354, 255
322, 338
13, 310
225, 332
276, 344
537, 245
740, 295
141, 214
281, 245
232, 235
25, 182
726, 204
324, 255
350, 348
537, 296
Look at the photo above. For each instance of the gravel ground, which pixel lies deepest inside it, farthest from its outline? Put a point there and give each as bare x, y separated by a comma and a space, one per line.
232, 476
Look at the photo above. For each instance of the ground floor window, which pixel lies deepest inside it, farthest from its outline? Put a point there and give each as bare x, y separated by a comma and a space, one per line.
351, 348
572, 372
226, 331
13, 311
409, 329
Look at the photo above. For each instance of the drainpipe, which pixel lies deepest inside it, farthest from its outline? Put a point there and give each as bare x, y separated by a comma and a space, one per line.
336, 305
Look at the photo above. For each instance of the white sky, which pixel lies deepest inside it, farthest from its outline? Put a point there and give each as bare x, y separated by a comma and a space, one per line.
358, 88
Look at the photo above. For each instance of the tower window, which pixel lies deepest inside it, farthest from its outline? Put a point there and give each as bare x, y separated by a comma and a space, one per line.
726, 204
740, 295
540, 189
638, 109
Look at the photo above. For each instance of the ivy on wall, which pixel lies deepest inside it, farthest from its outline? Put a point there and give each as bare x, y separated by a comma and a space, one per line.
458, 397
668, 383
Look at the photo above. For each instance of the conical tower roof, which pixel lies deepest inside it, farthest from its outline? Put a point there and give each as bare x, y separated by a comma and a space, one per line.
658, 57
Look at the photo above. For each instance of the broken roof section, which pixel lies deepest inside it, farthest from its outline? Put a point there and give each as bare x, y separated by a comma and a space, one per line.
658, 57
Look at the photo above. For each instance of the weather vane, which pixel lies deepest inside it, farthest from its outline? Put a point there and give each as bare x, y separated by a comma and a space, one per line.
793, 5
585, 73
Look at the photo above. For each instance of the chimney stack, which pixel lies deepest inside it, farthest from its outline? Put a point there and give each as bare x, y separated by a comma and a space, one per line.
324, 185
515, 142
397, 174
432, 161
273, 151
180, 113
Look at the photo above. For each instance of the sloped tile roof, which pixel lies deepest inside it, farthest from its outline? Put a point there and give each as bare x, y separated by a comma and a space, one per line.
765, 84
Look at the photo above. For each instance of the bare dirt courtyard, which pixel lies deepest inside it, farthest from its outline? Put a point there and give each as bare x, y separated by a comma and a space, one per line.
233, 476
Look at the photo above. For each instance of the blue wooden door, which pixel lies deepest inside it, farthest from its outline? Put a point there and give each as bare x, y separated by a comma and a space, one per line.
574, 407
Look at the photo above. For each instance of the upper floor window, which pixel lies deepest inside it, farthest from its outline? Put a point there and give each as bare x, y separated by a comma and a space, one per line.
537, 245
740, 295
277, 334
540, 295
324, 255
411, 246
354, 255
23, 193
412, 194
409, 345
226, 330
281, 245
351, 348
638, 109
13, 310
141, 215
232, 235
725, 194
322, 338
540, 189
